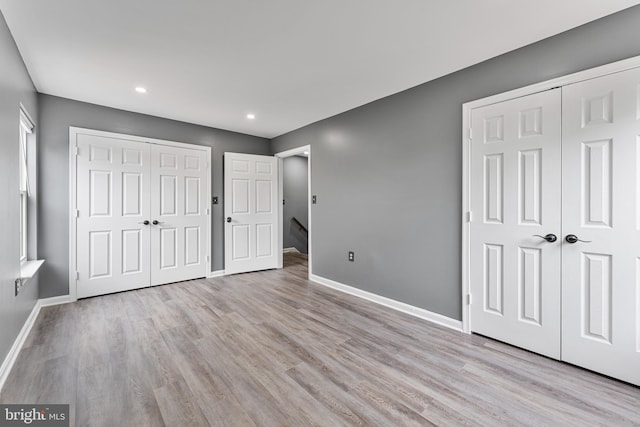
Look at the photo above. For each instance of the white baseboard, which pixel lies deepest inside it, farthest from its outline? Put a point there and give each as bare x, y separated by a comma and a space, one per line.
287, 250
217, 273
12, 356
388, 302
62, 299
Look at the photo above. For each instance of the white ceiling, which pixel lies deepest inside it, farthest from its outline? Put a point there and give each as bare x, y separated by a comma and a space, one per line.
290, 62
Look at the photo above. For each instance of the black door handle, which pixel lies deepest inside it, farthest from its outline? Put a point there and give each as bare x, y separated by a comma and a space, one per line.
145, 222
572, 238
155, 222
228, 219
549, 237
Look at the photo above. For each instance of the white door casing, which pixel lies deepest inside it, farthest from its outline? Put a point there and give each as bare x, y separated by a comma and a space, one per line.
113, 185
306, 151
117, 182
179, 205
515, 172
251, 212
601, 205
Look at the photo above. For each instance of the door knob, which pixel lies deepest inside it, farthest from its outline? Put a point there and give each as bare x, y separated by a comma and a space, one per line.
145, 222
156, 222
228, 219
572, 238
549, 237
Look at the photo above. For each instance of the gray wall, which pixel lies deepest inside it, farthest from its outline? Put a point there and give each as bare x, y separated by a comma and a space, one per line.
388, 175
15, 88
56, 115
295, 189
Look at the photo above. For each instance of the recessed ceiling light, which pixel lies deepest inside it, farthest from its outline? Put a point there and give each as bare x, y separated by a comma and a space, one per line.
141, 89
251, 116
306, 153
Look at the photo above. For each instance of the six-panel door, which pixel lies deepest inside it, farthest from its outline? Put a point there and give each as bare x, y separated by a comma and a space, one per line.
179, 206
515, 195
251, 212
113, 184
601, 207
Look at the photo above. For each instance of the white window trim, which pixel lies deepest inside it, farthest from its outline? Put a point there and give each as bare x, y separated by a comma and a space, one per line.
26, 128
23, 226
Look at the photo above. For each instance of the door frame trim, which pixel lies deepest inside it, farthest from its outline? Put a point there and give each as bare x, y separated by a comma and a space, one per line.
467, 109
280, 157
73, 135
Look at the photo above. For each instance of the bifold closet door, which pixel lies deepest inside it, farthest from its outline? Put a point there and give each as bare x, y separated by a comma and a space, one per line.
515, 202
601, 207
112, 243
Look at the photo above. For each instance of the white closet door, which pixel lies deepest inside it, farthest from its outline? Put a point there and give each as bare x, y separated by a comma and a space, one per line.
515, 194
178, 214
112, 195
601, 205
251, 213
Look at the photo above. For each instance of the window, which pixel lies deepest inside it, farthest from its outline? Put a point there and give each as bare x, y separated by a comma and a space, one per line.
26, 128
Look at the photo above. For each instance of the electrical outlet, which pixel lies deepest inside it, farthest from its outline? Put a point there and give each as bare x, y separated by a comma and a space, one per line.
215, 200
352, 256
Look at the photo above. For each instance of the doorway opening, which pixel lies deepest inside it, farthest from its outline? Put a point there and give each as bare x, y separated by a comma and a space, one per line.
294, 213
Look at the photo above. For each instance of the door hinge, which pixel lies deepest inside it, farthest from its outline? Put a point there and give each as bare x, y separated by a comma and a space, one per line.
469, 216
470, 133
76, 151
77, 275
208, 211
207, 258
468, 299
77, 213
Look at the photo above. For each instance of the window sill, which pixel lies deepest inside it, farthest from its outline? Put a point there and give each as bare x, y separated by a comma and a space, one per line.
28, 269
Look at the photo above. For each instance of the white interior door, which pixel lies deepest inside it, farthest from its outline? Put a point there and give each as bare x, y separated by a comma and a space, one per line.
601, 205
179, 214
251, 212
112, 200
515, 194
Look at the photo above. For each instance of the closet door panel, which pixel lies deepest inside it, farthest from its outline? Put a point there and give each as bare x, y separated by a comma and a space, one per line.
515, 195
112, 196
600, 206
179, 214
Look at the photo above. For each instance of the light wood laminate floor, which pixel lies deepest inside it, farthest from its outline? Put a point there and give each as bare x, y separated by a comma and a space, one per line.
272, 349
